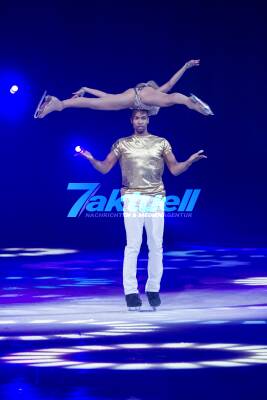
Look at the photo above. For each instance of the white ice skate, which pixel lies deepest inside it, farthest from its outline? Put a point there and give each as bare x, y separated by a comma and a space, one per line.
204, 106
46, 105
39, 104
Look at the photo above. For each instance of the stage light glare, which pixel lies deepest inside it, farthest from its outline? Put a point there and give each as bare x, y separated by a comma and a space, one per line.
14, 89
252, 355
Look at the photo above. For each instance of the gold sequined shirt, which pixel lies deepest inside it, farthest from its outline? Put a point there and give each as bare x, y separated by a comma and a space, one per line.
142, 163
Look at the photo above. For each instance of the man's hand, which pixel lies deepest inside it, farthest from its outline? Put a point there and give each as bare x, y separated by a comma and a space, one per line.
192, 63
196, 156
84, 153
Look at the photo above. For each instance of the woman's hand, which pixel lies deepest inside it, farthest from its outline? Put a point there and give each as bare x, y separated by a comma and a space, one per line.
192, 63
80, 93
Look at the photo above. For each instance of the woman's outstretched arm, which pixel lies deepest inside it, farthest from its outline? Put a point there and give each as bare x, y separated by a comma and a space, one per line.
175, 78
95, 92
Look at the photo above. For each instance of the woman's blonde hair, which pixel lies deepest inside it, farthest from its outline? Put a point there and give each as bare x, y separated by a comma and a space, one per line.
153, 84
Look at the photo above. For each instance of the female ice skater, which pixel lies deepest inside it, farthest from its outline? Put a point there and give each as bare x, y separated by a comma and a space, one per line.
145, 96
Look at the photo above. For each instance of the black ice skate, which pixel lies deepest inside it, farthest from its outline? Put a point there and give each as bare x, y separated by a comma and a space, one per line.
133, 301
153, 299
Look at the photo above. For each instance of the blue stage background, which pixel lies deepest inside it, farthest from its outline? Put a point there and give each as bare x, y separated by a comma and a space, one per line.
112, 46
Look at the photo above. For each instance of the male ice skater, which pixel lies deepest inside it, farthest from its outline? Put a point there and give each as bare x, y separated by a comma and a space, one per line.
142, 156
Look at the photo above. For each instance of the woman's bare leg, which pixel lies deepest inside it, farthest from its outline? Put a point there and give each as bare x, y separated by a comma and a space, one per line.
97, 93
109, 102
156, 98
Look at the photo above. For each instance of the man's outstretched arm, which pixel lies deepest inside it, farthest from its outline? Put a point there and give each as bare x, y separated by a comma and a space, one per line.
175, 78
177, 168
102, 166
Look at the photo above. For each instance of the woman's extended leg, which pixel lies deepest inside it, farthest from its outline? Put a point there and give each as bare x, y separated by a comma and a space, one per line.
109, 102
156, 98
96, 92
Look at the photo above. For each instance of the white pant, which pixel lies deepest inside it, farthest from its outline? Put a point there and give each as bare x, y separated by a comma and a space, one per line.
140, 211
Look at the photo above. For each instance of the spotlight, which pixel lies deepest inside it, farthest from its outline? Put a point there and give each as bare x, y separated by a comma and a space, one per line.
78, 149
14, 89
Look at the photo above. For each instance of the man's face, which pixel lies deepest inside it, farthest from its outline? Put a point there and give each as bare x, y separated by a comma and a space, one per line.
140, 121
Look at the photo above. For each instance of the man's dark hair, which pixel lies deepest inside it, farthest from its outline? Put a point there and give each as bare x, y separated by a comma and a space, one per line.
136, 111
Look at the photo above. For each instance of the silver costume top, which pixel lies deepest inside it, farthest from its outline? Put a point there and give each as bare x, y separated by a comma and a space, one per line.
142, 163
138, 104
